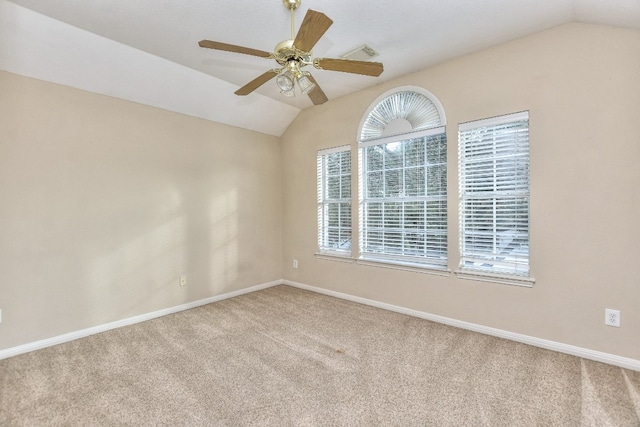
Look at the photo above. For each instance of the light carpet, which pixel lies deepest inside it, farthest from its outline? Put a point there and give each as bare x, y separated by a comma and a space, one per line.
289, 357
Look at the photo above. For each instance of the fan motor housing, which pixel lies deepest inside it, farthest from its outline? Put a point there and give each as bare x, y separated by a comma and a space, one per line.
285, 51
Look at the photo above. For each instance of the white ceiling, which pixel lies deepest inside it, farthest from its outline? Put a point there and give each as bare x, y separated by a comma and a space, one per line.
409, 35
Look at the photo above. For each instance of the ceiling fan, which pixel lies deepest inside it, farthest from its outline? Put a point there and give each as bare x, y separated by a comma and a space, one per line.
294, 54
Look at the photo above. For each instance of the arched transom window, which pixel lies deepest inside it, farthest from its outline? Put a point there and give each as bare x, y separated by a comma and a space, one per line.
402, 111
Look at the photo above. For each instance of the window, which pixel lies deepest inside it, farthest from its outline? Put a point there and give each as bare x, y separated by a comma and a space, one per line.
403, 182
494, 195
334, 200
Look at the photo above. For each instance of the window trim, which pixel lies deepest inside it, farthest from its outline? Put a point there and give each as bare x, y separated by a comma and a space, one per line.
487, 275
426, 116
398, 261
493, 121
321, 183
526, 282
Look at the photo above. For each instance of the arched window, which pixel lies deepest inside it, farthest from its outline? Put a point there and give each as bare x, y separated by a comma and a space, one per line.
403, 180
406, 110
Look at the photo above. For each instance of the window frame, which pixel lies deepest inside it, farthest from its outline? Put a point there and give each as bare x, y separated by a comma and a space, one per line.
482, 139
324, 203
397, 114
403, 259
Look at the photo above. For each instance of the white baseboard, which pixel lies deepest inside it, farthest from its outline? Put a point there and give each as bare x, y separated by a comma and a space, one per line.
597, 356
585, 353
37, 345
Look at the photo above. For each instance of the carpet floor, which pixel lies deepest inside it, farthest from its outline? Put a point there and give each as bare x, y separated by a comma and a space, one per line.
289, 357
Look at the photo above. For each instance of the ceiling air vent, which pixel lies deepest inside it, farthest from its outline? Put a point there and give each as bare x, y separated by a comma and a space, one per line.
362, 53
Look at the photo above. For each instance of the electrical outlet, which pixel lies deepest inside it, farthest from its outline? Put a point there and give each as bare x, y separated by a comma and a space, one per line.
295, 263
183, 281
0, 315
612, 317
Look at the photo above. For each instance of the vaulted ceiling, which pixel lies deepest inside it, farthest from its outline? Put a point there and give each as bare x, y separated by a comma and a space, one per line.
146, 51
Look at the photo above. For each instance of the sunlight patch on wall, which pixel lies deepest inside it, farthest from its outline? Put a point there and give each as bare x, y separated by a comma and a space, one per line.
139, 270
223, 214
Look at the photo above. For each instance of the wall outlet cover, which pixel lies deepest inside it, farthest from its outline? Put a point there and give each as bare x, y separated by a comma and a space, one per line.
612, 317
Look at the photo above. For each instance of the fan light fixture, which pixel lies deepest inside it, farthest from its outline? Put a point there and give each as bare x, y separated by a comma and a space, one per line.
290, 75
285, 83
305, 83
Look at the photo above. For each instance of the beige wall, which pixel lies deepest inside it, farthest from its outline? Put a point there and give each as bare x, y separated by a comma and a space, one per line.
105, 203
581, 86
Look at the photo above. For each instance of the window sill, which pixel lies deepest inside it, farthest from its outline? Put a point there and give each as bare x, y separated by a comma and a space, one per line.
334, 256
416, 268
526, 282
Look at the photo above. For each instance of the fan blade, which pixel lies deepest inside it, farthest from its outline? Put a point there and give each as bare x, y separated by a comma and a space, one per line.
316, 95
314, 25
256, 83
233, 48
349, 66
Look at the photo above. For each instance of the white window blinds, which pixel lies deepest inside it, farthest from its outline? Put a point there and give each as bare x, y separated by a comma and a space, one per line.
404, 199
334, 200
494, 195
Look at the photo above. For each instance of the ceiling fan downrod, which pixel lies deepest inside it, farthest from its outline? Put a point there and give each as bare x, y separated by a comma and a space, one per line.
292, 5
